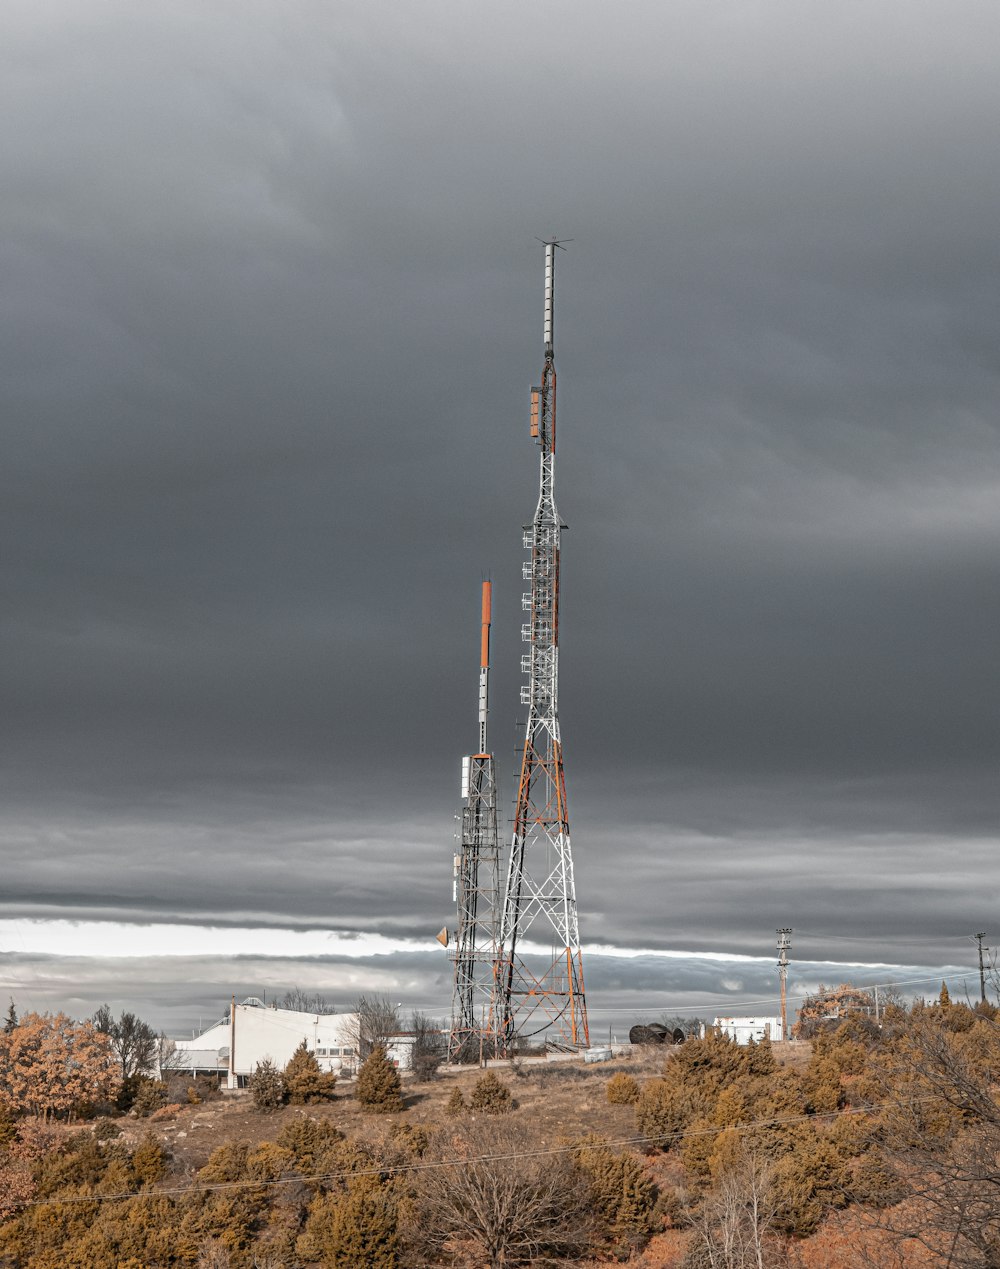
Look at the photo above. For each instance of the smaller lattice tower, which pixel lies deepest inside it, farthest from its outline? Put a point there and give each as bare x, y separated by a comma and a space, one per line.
476, 885
539, 988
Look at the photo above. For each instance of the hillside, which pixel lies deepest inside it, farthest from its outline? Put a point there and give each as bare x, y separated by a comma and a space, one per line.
859, 1147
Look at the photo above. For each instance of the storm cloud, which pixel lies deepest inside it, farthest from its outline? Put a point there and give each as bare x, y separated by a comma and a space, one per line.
272, 305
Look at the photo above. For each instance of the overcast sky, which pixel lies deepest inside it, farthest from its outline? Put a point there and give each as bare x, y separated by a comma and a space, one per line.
270, 314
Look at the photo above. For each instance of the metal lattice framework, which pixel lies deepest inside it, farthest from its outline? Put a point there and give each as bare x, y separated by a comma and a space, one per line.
539, 915
477, 882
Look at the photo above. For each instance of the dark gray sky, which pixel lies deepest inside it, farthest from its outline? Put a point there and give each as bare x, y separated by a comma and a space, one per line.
271, 310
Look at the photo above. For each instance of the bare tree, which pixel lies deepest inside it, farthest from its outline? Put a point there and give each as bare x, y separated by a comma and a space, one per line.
375, 1021
491, 1193
428, 1046
732, 1225
167, 1056
135, 1042
306, 1002
692, 1027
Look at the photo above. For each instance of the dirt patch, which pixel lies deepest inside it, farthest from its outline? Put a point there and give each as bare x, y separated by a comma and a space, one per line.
561, 1100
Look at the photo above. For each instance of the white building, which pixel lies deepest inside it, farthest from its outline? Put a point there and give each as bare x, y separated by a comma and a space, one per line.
237, 1043
743, 1030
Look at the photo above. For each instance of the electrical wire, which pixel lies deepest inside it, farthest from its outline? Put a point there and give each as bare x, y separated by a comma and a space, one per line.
708, 1006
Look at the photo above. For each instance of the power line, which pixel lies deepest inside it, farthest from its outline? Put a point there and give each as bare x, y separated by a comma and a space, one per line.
707, 1006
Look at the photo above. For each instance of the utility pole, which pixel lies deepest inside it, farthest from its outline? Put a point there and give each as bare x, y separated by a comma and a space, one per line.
477, 882
784, 947
982, 972
540, 894
233, 1081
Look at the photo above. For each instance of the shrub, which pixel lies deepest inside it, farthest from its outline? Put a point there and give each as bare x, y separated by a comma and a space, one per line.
358, 1228
106, 1129
267, 1087
622, 1194
491, 1096
166, 1112
181, 1087
309, 1140
149, 1160
150, 1096
622, 1090
498, 1202
379, 1087
8, 1124
662, 1111
455, 1105
305, 1084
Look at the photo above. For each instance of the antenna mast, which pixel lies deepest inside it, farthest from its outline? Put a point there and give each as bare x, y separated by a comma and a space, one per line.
477, 883
540, 894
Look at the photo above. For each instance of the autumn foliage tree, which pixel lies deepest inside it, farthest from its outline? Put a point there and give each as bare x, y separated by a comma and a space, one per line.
50, 1065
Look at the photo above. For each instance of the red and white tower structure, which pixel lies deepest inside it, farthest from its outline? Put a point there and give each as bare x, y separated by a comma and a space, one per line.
477, 884
539, 970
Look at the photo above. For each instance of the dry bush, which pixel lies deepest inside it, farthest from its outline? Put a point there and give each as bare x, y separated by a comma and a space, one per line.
359, 1228
165, 1112
491, 1096
150, 1160
150, 1096
309, 1140
622, 1194
623, 1090
662, 1112
936, 1127
267, 1086
492, 1198
455, 1105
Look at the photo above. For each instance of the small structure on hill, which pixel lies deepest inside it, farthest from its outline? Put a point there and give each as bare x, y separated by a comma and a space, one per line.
745, 1030
235, 1045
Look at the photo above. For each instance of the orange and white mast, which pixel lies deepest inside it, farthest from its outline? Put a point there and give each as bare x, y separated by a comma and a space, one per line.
541, 994
477, 883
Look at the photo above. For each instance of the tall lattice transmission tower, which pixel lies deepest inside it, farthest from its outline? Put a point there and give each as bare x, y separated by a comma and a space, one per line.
539, 914
477, 883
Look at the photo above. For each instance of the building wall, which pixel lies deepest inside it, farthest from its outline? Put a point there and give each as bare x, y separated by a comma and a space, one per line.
275, 1034
743, 1030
